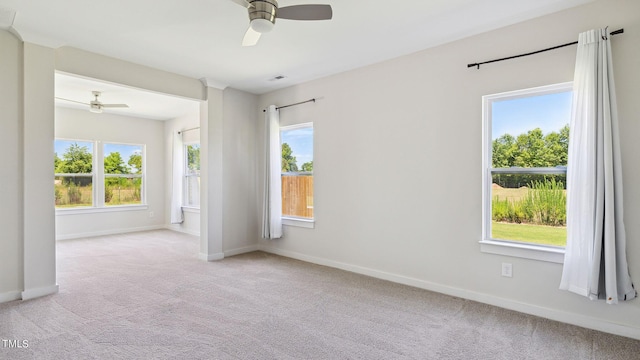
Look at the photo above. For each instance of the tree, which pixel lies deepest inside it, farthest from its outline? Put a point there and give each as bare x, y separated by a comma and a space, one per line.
503, 151
76, 160
135, 162
308, 166
56, 161
527, 150
288, 161
531, 149
113, 164
193, 157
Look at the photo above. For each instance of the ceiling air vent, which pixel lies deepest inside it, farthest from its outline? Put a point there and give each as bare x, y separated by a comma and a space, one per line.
276, 78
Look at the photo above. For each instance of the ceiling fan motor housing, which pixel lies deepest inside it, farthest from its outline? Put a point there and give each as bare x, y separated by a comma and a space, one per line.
95, 107
263, 15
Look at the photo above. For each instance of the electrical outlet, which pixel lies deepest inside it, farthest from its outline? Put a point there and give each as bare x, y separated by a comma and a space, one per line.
507, 270
150, 214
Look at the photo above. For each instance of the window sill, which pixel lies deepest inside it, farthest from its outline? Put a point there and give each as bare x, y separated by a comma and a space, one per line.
191, 209
93, 210
303, 223
542, 253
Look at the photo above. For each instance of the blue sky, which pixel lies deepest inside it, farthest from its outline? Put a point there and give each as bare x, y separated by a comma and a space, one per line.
548, 112
61, 146
124, 150
301, 143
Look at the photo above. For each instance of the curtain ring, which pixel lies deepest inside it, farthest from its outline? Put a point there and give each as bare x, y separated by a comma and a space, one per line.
605, 37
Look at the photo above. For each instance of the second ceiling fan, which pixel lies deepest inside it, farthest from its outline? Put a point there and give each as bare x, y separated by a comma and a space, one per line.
96, 105
263, 15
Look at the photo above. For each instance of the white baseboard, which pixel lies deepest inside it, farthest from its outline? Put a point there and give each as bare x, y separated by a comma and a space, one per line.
10, 296
211, 257
29, 294
108, 232
553, 314
178, 228
242, 250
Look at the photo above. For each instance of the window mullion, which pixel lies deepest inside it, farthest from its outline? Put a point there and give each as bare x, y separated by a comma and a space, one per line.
540, 170
98, 179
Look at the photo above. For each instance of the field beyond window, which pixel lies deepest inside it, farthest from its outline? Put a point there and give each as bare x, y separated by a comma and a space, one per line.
527, 166
534, 213
78, 168
192, 176
122, 180
73, 182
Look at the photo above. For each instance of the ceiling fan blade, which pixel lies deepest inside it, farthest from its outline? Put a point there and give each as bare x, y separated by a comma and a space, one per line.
305, 12
114, 105
251, 37
79, 102
243, 3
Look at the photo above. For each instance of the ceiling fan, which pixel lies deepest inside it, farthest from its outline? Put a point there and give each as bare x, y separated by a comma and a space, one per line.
263, 14
96, 106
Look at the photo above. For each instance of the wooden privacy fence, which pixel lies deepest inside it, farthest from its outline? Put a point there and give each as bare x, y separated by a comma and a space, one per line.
297, 195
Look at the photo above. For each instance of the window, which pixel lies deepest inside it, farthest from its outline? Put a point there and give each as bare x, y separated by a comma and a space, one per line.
122, 180
121, 174
192, 175
73, 173
526, 137
297, 171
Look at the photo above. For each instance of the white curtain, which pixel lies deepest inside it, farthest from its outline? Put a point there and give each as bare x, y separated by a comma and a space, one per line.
177, 173
272, 206
595, 263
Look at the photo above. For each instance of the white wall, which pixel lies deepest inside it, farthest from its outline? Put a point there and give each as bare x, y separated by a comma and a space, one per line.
27, 261
85, 125
398, 164
229, 224
84, 63
241, 213
191, 224
11, 176
38, 213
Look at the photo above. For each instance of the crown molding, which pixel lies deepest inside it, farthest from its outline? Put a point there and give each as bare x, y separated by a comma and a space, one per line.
209, 82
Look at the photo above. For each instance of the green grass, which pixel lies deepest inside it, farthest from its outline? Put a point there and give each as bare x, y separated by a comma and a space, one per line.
537, 234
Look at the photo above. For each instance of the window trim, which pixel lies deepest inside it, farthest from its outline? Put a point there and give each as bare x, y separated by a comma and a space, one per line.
299, 222
142, 175
92, 174
289, 220
97, 172
505, 247
186, 175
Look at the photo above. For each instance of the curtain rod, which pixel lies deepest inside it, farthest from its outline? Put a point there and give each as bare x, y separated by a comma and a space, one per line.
195, 128
286, 106
620, 31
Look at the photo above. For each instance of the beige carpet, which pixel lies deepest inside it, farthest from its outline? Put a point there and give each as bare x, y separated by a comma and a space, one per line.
147, 296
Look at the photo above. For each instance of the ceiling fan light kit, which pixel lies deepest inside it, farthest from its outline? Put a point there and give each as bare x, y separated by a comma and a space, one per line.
263, 14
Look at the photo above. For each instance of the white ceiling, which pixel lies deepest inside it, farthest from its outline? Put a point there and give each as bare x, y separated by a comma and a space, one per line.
142, 104
201, 38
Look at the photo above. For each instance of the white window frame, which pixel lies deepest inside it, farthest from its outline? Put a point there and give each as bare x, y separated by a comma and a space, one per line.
104, 176
293, 220
97, 172
94, 169
187, 175
504, 247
